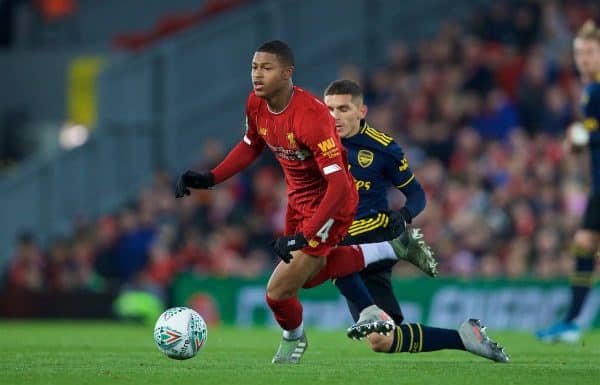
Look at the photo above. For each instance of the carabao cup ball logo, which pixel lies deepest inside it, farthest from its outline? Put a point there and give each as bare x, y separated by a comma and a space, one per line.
167, 337
198, 332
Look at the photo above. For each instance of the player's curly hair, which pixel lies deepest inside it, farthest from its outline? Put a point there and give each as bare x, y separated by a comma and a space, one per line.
589, 30
279, 48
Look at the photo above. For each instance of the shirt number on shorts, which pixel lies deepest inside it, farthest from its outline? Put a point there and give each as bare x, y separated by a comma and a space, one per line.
323, 232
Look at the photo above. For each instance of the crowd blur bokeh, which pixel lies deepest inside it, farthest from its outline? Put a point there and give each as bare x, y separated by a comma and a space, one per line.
480, 110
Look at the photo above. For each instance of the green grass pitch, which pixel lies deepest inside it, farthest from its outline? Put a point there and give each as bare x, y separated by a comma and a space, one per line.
110, 353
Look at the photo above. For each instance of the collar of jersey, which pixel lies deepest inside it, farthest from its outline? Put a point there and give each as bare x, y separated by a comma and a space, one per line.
363, 126
284, 108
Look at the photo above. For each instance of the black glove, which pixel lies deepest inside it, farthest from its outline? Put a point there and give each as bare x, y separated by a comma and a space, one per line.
283, 246
398, 221
194, 180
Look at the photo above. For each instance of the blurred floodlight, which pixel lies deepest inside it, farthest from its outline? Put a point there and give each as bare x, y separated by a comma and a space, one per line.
73, 135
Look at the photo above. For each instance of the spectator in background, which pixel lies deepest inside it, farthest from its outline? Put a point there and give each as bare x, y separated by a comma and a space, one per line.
28, 265
131, 251
497, 118
60, 266
558, 112
531, 92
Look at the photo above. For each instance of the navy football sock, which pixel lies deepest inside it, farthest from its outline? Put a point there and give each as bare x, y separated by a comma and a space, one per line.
578, 296
581, 281
416, 338
354, 289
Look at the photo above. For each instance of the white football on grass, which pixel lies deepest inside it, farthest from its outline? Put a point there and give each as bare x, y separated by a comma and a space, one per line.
180, 333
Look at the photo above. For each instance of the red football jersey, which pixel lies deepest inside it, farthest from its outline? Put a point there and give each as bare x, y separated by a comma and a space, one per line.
306, 144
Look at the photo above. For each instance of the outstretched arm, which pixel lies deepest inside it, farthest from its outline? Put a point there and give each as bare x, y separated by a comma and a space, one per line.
399, 173
415, 200
240, 157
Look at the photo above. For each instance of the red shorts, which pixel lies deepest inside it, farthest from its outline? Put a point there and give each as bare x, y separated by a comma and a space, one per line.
295, 221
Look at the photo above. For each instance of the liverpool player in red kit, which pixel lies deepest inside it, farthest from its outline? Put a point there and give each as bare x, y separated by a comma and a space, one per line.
322, 197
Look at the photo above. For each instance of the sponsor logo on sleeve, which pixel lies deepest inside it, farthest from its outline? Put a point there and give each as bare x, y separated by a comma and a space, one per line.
403, 164
328, 148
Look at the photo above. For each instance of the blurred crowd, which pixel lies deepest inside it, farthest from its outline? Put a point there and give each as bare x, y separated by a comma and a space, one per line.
480, 110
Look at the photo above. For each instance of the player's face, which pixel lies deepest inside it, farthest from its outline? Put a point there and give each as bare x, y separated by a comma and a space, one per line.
587, 56
347, 113
269, 75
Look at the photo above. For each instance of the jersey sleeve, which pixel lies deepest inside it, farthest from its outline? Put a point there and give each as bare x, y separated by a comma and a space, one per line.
396, 169
245, 152
591, 108
399, 173
319, 136
251, 136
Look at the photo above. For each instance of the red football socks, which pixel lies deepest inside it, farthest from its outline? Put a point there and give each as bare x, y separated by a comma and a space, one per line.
287, 312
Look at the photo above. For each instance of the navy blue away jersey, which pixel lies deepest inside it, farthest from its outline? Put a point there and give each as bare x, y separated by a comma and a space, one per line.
591, 112
376, 162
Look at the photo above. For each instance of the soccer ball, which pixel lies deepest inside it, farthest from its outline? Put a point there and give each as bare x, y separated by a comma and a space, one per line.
180, 333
